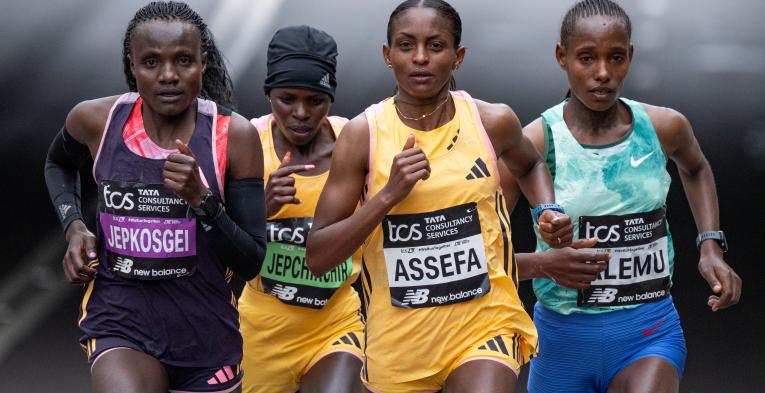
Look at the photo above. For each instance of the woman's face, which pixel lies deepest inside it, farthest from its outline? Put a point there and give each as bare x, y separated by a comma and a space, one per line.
422, 52
299, 113
596, 58
167, 62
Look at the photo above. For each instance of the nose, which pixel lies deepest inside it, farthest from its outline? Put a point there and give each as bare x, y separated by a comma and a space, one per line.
168, 73
420, 55
301, 111
602, 72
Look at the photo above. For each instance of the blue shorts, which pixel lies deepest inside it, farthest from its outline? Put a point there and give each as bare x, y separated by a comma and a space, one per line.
584, 352
222, 379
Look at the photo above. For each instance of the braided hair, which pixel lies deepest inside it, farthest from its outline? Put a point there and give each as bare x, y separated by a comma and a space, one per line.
216, 83
588, 8
444, 10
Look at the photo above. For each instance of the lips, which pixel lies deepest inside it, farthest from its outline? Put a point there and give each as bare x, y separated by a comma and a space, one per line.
168, 95
602, 92
421, 76
300, 129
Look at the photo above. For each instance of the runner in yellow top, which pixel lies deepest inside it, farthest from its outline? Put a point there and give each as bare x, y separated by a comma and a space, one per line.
443, 309
299, 330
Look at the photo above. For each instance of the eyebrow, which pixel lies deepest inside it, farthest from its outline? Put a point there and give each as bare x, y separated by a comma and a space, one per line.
412, 36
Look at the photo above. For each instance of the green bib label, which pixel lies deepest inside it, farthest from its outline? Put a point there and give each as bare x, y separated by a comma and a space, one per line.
285, 274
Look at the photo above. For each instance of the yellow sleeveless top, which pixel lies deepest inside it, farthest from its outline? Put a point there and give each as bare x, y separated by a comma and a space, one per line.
439, 271
285, 287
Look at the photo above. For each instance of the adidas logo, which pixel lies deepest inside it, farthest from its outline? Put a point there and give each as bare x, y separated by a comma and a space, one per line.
325, 81
63, 209
479, 170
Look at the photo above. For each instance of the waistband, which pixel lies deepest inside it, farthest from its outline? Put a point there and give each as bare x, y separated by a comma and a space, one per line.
645, 310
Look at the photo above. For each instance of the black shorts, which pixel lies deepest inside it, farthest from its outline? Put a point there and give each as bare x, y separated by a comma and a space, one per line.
221, 379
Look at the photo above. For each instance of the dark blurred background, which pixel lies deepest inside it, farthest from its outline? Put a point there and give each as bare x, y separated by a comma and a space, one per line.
705, 58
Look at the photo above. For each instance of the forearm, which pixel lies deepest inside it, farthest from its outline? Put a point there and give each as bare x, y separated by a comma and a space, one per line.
536, 184
238, 233
334, 243
702, 197
528, 265
65, 156
701, 192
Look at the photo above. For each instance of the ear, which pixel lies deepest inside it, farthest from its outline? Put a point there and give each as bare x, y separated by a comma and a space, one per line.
560, 55
632, 52
132, 66
386, 55
204, 62
460, 58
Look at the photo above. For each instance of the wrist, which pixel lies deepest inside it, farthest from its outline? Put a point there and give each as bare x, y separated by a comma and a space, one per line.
547, 206
710, 248
74, 226
717, 237
208, 208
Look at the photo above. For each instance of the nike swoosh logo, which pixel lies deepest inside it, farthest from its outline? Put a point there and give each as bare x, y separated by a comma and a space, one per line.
636, 163
648, 332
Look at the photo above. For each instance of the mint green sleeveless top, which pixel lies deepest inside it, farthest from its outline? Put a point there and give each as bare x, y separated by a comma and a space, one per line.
616, 192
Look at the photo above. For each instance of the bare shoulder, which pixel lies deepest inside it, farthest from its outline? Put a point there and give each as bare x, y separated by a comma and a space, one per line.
241, 130
352, 146
86, 121
496, 115
666, 120
535, 132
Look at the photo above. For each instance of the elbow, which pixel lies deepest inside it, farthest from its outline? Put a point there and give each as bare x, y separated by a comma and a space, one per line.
313, 259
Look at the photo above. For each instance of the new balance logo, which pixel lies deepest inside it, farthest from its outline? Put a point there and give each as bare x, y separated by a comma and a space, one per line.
479, 170
325, 81
284, 292
419, 296
602, 295
63, 209
125, 265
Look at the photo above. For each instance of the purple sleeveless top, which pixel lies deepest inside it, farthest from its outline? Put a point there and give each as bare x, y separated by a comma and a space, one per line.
160, 285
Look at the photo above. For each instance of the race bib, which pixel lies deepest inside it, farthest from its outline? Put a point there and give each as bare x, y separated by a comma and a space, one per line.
146, 232
638, 271
285, 274
435, 258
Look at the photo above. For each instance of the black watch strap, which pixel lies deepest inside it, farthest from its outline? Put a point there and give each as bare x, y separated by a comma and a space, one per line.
718, 236
209, 207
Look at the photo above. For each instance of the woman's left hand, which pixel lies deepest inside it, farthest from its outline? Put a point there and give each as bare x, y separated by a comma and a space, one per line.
725, 283
181, 175
556, 228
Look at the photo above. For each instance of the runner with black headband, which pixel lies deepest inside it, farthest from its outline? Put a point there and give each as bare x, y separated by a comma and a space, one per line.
300, 331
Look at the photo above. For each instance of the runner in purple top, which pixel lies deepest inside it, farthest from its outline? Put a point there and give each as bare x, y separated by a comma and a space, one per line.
158, 313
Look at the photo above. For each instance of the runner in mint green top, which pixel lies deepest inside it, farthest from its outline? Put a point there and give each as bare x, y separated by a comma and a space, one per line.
609, 324
626, 180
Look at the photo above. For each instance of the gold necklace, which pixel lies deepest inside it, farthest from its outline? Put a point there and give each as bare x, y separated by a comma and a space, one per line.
417, 118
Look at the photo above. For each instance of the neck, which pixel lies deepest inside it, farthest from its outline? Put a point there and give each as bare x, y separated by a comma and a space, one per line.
582, 119
424, 113
164, 130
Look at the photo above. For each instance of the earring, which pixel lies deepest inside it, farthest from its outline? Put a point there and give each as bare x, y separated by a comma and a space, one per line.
389, 65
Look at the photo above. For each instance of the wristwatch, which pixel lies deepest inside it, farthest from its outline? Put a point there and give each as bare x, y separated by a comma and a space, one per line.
718, 236
208, 208
547, 206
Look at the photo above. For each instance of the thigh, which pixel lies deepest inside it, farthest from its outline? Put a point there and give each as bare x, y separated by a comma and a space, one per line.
481, 376
127, 370
650, 374
337, 372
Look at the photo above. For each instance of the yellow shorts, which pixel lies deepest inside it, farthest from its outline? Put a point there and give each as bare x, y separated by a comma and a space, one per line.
277, 353
507, 350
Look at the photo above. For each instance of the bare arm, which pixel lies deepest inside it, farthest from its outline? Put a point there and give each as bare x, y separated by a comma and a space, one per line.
680, 145
338, 228
528, 168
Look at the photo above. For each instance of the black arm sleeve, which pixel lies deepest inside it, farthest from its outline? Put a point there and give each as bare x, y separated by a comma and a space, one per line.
65, 156
239, 233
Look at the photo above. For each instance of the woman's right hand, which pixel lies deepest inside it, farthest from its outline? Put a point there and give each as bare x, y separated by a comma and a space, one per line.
280, 188
81, 248
572, 267
409, 166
